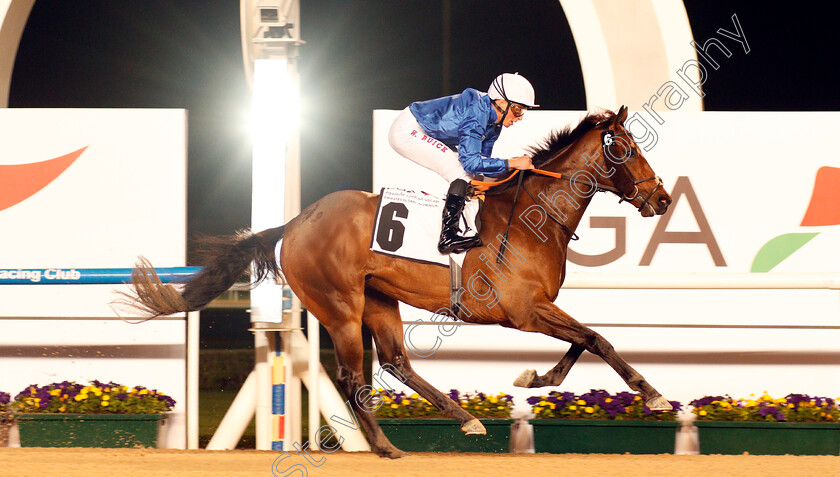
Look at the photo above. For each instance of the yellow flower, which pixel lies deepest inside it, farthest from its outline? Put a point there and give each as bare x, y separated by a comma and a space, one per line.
386, 398
55, 392
552, 405
37, 400
589, 409
702, 412
791, 406
608, 400
143, 391
637, 398
62, 409
494, 400
543, 403
415, 396
500, 407
78, 397
572, 407
97, 391
395, 406
537, 410
104, 403
725, 404
581, 402
106, 397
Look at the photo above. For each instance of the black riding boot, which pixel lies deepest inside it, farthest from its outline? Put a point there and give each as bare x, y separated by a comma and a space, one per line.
450, 241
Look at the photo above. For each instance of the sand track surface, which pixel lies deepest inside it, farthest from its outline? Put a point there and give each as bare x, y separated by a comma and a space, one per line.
38, 462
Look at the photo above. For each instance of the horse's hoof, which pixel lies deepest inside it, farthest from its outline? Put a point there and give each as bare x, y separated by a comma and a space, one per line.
659, 403
473, 427
391, 453
526, 379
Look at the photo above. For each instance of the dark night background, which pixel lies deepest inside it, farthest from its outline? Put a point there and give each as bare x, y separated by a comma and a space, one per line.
366, 55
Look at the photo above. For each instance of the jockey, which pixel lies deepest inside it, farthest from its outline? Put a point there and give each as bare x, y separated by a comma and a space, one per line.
430, 132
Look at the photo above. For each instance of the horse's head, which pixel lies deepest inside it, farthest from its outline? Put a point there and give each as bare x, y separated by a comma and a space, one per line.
626, 168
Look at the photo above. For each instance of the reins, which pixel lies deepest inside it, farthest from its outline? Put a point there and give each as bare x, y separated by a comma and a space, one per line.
484, 186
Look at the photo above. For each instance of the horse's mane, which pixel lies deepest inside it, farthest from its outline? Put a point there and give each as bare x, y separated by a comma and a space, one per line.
546, 150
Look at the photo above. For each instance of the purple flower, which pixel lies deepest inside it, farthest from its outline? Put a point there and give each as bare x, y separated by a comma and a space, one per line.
535, 399
706, 400
5, 398
770, 410
454, 395
122, 396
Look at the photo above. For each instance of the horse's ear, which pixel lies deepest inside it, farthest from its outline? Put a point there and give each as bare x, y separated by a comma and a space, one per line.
621, 116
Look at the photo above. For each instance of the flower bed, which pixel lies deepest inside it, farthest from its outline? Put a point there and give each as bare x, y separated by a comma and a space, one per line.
68, 414
791, 408
413, 424
600, 422
480, 405
72, 398
795, 424
5, 419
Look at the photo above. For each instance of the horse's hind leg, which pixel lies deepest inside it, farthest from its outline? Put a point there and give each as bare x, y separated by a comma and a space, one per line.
555, 376
548, 319
382, 317
349, 349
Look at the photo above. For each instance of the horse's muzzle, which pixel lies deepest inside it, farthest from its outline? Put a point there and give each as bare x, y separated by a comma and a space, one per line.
662, 203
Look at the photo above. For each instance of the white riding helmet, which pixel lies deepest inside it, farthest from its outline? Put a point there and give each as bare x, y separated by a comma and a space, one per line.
513, 88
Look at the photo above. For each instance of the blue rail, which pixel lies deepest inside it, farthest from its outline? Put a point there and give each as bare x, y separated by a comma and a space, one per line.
86, 276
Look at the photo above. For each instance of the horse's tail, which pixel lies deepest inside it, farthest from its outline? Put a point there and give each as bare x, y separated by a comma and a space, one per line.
225, 260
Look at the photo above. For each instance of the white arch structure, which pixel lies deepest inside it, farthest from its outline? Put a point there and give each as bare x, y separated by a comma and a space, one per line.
627, 51
13, 14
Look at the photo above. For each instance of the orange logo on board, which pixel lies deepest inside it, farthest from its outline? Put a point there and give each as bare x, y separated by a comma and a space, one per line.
19, 182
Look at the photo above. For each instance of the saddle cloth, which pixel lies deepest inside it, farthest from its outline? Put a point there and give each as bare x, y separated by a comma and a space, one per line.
407, 225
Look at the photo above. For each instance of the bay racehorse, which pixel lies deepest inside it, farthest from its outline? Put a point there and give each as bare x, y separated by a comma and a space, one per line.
326, 259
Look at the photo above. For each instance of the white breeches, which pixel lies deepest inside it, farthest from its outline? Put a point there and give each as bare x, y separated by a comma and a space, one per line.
410, 141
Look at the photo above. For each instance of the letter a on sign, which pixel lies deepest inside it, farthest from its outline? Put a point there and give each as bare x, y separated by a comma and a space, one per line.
705, 235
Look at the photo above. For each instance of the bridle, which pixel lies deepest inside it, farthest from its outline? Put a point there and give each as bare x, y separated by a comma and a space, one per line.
608, 141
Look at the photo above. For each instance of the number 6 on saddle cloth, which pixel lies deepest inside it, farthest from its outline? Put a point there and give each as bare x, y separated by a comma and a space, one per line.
407, 225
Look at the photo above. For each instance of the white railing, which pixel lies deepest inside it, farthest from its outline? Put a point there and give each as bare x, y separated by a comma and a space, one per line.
704, 281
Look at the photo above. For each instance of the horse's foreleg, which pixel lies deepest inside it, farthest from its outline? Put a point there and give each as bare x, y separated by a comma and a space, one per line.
554, 377
548, 319
383, 319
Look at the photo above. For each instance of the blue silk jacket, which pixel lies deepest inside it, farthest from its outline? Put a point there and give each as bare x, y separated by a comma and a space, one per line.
464, 122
